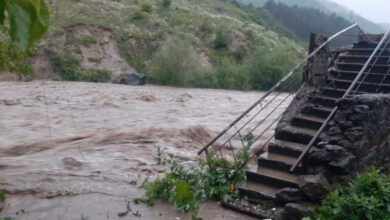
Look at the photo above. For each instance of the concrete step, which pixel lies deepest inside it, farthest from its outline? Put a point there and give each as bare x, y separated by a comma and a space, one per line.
362, 59
272, 177
295, 134
369, 77
277, 161
287, 148
364, 51
307, 121
254, 209
364, 87
367, 45
377, 68
332, 92
323, 100
317, 110
256, 191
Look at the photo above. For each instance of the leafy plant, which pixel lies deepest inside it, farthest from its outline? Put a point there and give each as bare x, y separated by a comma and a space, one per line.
28, 20
175, 64
96, 75
166, 3
12, 58
67, 65
365, 197
222, 40
146, 7
187, 186
138, 15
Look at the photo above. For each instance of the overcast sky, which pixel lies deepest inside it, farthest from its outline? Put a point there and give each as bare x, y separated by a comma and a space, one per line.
375, 10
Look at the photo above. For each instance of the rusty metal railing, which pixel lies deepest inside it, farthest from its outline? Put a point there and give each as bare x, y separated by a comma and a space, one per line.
382, 46
262, 116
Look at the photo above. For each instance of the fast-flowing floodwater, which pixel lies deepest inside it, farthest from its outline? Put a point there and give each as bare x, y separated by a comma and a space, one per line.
71, 150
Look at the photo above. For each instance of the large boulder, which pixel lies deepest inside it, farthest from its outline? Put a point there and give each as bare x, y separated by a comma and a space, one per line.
134, 79
294, 211
344, 164
313, 186
288, 195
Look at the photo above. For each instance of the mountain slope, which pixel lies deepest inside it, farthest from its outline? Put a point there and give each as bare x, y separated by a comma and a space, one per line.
310, 20
329, 7
204, 43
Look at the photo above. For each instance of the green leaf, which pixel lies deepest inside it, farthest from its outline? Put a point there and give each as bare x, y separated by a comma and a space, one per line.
29, 21
2, 12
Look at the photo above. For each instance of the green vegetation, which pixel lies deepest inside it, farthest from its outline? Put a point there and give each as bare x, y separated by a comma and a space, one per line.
22, 23
96, 75
68, 65
365, 197
304, 21
12, 58
28, 21
166, 3
177, 65
174, 65
220, 37
222, 40
146, 7
186, 186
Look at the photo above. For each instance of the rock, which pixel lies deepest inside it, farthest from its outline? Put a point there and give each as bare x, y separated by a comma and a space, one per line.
71, 163
134, 79
313, 186
343, 164
361, 109
317, 156
335, 130
295, 211
280, 215
331, 147
345, 124
288, 195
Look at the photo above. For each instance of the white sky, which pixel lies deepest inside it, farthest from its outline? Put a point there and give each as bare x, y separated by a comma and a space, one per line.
375, 10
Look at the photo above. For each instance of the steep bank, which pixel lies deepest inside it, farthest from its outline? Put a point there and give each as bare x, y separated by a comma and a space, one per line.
121, 37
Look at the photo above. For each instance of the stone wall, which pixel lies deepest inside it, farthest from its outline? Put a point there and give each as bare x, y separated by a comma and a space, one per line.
358, 137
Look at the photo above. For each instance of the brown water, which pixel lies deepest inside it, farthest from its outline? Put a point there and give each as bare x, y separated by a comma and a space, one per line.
70, 150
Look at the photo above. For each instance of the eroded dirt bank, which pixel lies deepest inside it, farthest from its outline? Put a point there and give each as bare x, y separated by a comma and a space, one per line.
70, 150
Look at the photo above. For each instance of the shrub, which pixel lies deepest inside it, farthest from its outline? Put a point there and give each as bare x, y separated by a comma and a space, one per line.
166, 3
365, 197
231, 76
146, 7
67, 65
96, 75
187, 186
265, 69
174, 65
15, 60
138, 15
240, 53
222, 40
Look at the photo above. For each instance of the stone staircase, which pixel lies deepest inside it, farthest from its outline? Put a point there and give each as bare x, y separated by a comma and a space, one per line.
271, 173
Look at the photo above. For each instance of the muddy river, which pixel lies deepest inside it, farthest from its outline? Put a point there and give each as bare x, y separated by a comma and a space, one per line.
71, 150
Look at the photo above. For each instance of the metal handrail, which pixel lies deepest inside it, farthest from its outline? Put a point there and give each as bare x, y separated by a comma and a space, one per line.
275, 87
335, 109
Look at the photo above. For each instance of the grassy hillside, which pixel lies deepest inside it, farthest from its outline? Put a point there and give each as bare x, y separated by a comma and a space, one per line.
329, 7
203, 43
